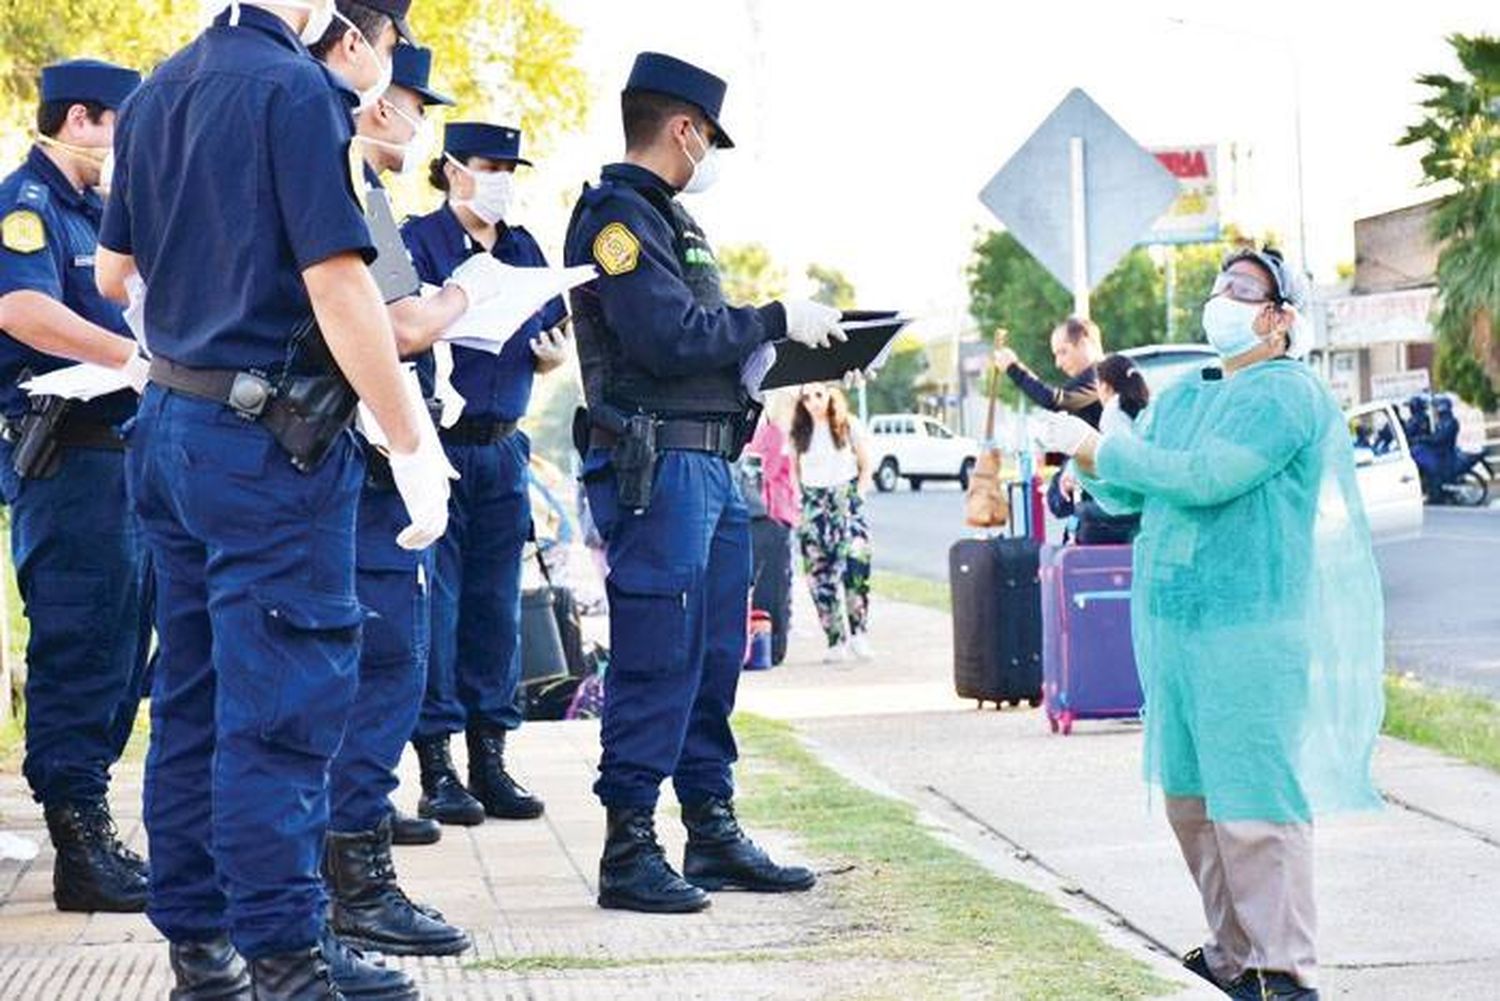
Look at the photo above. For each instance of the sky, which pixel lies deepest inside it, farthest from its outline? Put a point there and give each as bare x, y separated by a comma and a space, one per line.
865, 131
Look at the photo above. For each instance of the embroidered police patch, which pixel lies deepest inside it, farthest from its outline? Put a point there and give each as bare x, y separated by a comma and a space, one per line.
616, 249
22, 231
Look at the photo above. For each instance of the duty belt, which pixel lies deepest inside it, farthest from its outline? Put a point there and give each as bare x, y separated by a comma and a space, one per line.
477, 432
244, 392
74, 433
715, 436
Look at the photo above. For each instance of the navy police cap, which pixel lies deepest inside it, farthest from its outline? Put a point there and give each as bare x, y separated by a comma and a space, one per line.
662, 74
411, 67
396, 10
462, 140
88, 80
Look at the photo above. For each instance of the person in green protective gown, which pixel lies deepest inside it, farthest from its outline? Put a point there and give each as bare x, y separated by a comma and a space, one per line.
1257, 619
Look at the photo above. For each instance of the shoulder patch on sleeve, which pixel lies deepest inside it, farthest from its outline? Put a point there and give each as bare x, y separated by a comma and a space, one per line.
617, 249
22, 231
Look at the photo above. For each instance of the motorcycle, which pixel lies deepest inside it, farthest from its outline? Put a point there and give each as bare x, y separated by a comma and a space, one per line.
1467, 484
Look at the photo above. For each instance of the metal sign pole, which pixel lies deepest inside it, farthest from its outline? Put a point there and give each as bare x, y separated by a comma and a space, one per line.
1079, 207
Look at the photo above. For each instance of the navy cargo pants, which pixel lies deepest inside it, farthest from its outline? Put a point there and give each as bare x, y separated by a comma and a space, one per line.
393, 585
679, 586
474, 668
82, 572
258, 630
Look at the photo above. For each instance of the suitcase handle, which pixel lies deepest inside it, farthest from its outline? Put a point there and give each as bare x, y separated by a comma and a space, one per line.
1082, 598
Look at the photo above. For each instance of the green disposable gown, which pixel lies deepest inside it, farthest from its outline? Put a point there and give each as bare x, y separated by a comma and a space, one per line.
1256, 608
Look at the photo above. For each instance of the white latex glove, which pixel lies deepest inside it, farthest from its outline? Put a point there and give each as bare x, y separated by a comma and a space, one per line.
1055, 432
138, 371
551, 347
754, 368
422, 478
449, 398
480, 277
135, 310
812, 323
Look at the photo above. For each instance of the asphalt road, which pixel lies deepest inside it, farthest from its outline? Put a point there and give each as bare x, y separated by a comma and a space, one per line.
1442, 612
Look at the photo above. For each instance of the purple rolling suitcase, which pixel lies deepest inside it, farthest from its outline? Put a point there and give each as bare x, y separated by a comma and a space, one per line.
1088, 662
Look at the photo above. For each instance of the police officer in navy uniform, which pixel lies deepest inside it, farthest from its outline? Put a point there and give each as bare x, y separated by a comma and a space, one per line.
662, 357
77, 551
235, 201
474, 669
369, 908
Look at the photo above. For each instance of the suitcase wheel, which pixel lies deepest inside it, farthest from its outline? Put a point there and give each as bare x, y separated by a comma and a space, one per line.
1065, 721
1034, 701
1052, 722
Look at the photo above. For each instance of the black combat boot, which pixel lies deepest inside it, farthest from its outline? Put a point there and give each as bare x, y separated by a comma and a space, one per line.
719, 855
368, 910
1269, 985
361, 979
99, 816
210, 970
634, 874
491, 784
444, 797
302, 975
414, 830
88, 873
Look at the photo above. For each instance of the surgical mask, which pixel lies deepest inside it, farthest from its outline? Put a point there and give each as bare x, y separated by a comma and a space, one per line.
415, 151
321, 15
493, 193
705, 171
1114, 420
102, 157
369, 95
1230, 325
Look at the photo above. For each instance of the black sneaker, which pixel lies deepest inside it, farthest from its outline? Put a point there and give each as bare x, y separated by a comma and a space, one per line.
1197, 963
1269, 985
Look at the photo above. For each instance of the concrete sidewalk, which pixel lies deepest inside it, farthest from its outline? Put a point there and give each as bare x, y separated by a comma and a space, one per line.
522, 889
1409, 897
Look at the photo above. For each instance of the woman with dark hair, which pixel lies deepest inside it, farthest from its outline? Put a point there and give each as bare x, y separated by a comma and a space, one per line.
1123, 394
833, 467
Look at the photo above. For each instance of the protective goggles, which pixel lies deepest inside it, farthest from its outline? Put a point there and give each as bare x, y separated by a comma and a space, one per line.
1242, 287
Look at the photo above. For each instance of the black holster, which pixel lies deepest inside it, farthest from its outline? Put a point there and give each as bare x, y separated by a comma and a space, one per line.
38, 447
632, 455
313, 403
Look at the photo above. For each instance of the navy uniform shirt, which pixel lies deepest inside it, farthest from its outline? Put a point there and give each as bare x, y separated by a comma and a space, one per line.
234, 173
51, 230
494, 387
624, 227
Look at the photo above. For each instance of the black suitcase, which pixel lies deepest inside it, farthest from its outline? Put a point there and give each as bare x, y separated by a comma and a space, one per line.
772, 556
997, 620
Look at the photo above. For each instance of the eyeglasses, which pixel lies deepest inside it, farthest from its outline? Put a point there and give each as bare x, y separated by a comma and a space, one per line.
1240, 287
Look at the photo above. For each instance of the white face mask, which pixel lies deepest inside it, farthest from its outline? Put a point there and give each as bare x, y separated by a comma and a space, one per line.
416, 150
106, 174
369, 95
321, 15
102, 157
705, 171
1230, 325
493, 193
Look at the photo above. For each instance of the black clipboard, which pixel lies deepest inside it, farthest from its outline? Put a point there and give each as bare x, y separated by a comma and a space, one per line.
392, 268
870, 334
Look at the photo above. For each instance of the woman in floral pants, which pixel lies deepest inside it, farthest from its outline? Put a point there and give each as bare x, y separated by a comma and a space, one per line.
834, 470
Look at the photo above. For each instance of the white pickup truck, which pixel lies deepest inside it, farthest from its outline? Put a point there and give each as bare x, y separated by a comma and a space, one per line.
918, 448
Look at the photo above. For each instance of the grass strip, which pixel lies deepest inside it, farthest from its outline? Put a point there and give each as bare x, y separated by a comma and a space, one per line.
1462, 724
917, 900
932, 594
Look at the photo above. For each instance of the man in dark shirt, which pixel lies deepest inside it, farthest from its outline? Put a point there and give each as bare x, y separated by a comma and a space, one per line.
1077, 348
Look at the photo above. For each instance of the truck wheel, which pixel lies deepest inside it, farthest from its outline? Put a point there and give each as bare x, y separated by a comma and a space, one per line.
887, 475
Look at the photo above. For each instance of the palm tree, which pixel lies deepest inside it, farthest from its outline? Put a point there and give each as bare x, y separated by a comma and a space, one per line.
1461, 133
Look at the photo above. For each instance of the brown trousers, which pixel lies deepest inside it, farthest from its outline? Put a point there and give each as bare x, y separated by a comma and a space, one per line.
1256, 880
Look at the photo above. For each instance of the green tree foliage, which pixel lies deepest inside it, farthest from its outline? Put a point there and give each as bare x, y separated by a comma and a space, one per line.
514, 59
1009, 289
834, 289
1460, 137
894, 388
749, 275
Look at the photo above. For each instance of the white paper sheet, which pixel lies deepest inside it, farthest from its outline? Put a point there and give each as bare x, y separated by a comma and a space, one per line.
489, 325
78, 382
